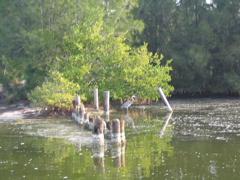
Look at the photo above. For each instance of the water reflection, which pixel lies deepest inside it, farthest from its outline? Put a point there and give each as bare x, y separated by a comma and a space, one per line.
98, 158
146, 127
168, 117
128, 119
140, 156
195, 144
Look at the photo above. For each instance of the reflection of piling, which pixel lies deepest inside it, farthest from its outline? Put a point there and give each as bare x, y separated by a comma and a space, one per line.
118, 154
168, 117
123, 145
98, 158
122, 130
79, 147
164, 99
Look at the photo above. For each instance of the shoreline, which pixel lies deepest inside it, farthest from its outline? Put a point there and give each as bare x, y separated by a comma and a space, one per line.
21, 110
24, 110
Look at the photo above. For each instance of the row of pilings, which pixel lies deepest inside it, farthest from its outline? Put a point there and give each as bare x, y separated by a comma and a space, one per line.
109, 132
96, 124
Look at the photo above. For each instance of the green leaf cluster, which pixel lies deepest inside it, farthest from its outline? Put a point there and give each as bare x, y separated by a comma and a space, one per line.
94, 58
87, 42
57, 92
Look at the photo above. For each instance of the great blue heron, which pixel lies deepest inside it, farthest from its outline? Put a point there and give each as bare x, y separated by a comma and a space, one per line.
128, 103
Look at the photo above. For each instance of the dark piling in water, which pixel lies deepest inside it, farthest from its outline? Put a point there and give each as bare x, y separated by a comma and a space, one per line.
98, 130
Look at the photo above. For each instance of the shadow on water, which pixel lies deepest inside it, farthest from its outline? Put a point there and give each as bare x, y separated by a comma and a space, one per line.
200, 140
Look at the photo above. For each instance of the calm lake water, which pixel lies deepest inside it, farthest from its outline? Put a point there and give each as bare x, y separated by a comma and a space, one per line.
199, 140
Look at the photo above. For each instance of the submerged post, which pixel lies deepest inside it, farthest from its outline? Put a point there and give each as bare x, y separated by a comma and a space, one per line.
106, 101
163, 97
96, 106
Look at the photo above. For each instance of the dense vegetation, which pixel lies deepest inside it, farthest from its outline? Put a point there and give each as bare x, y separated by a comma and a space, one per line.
203, 40
102, 44
84, 44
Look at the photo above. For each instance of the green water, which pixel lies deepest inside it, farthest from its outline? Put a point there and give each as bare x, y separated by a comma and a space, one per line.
200, 141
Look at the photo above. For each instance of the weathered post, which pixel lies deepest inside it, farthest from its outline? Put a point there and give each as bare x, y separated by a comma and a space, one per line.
164, 99
96, 106
98, 144
82, 108
116, 136
98, 130
122, 131
106, 101
78, 102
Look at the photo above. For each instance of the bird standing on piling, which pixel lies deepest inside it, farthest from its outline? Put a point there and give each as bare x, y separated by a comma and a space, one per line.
128, 103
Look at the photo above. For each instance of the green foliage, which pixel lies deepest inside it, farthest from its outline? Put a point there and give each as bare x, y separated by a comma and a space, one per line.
32, 34
57, 92
94, 58
203, 40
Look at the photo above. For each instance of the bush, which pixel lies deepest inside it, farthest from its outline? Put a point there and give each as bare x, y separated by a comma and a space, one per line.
57, 92
96, 59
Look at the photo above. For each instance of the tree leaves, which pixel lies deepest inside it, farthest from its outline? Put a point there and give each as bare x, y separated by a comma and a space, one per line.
96, 59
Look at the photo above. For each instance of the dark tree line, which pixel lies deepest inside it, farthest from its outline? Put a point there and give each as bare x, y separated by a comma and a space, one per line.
203, 40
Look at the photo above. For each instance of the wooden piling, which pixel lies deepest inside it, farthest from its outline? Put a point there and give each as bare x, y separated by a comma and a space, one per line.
116, 126
96, 105
122, 130
116, 136
164, 99
97, 133
82, 108
98, 126
106, 101
78, 102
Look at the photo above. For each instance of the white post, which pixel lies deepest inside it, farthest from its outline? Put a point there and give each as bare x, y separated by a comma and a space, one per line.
106, 101
163, 97
78, 102
96, 106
